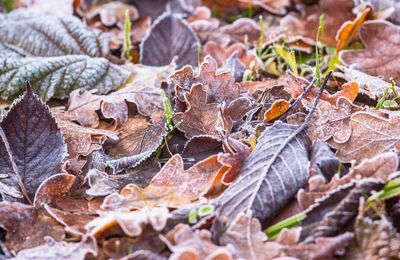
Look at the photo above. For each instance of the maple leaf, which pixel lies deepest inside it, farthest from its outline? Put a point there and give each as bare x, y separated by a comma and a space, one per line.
32, 146
380, 56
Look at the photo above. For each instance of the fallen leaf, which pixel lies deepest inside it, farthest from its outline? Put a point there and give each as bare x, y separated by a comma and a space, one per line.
371, 134
82, 106
200, 118
221, 54
172, 186
277, 109
249, 242
374, 239
56, 185
201, 147
32, 146
169, 37
57, 77
132, 223
324, 163
61, 250
270, 176
332, 121
330, 215
219, 86
138, 140
379, 167
371, 86
26, 226
273, 6
242, 30
305, 24
380, 56
30, 34
188, 244
348, 31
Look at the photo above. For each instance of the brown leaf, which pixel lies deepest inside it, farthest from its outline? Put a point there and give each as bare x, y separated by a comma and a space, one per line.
349, 30
336, 12
242, 30
56, 185
296, 85
221, 54
132, 223
374, 239
371, 86
26, 226
381, 54
138, 140
61, 250
31, 147
332, 121
80, 140
82, 107
172, 186
200, 118
247, 239
218, 86
379, 167
371, 134
188, 244
201, 147
272, 6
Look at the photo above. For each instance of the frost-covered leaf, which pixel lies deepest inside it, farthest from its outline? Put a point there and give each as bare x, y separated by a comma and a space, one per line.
29, 34
271, 175
82, 106
381, 54
169, 37
58, 76
172, 186
23, 221
371, 133
330, 215
32, 147
61, 250
132, 223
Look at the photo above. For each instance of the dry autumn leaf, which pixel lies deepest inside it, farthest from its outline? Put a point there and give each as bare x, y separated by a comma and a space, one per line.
380, 56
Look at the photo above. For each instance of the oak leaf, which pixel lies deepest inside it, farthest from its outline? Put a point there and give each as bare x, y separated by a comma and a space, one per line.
371, 134
172, 186
381, 56
82, 106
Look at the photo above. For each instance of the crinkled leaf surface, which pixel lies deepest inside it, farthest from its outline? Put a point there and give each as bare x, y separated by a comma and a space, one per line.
381, 55
58, 76
82, 106
371, 134
271, 175
30, 34
169, 37
61, 250
36, 145
26, 226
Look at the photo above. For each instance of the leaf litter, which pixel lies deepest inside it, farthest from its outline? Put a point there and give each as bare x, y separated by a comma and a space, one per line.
199, 130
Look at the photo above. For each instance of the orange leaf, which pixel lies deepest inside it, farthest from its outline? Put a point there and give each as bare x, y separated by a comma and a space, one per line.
349, 29
278, 108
